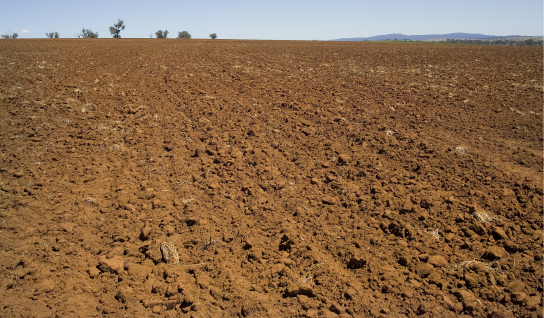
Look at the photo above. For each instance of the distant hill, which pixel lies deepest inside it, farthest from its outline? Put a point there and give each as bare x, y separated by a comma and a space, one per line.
399, 36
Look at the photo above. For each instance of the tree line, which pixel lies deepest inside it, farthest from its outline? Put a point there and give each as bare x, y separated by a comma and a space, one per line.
115, 31
10, 36
528, 42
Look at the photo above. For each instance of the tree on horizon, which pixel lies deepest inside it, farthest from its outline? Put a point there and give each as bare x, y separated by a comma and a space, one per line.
184, 35
161, 34
117, 28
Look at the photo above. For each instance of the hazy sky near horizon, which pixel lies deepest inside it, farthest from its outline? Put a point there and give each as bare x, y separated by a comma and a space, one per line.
275, 20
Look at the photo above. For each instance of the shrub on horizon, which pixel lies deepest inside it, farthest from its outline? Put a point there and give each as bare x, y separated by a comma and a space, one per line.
52, 35
87, 34
10, 36
184, 35
161, 34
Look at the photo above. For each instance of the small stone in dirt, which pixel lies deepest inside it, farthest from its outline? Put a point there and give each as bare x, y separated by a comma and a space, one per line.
113, 265
137, 270
169, 230
488, 294
356, 262
129, 207
473, 280
192, 221
214, 186
236, 153
299, 289
479, 268
424, 269
145, 233
124, 294
499, 234
344, 158
287, 261
404, 260
350, 294
337, 308
93, 271
415, 283
328, 314
329, 200
437, 261
276, 268
312, 313
537, 235
305, 289
424, 308
448, 302
534, 303
67, 226
150, 303
400, 230
518, 297
493, 253
511, 247
465, 296
18, 174
46, 286
156, 309
500, 312
514, 286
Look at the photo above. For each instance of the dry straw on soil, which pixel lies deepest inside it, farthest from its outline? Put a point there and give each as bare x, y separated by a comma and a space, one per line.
461, 149
169, 253
307, 278
483, 217
480, 215
434, 233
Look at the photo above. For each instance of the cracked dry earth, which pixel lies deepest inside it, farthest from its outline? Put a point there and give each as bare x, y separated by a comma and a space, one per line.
200, 178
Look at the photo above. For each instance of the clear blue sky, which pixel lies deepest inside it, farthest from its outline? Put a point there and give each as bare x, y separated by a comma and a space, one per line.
279, 19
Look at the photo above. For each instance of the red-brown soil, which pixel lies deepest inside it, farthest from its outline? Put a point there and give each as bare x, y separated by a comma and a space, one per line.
294, 179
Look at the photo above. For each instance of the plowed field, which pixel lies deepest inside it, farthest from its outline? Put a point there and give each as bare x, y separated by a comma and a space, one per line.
222, 178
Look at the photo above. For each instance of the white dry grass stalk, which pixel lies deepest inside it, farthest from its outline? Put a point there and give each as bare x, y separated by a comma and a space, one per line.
91, 201
490, 267
483, 217
461, 149
15, 276
209, 243
185, 201
169, 253
87, 107
307, 278
434, 233
118, 148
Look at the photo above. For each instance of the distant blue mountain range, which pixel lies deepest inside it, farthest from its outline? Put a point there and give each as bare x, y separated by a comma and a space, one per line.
399, 36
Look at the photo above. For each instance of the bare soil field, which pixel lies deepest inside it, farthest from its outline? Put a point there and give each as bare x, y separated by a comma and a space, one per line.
201, 178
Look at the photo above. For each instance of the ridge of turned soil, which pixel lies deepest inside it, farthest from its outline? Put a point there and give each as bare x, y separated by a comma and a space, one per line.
293, 178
